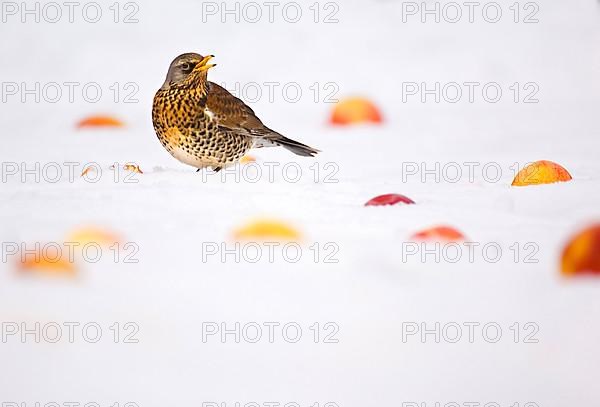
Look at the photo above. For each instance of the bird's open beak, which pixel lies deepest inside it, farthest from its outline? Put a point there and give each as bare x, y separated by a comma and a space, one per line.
203, 66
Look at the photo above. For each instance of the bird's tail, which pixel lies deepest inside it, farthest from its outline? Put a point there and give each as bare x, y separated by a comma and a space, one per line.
270, 138
295, 146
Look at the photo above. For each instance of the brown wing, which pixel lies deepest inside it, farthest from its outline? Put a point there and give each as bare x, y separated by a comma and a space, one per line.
232, 114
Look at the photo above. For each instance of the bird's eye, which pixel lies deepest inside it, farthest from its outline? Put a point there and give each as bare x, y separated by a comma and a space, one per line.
186, 67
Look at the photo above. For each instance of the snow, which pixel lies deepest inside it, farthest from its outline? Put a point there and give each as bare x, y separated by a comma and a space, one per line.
173, 214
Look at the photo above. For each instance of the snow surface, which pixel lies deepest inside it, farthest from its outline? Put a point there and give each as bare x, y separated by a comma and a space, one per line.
171, 211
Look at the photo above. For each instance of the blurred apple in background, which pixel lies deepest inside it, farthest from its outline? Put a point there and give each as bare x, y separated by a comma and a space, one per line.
267, 230
354, 111
50, 260
582, 254
100, 121
389, 199
439, 233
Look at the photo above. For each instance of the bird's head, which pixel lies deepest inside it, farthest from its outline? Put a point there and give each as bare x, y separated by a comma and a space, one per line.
186, 67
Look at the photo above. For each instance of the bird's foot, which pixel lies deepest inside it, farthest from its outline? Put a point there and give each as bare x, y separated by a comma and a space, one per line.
215, 169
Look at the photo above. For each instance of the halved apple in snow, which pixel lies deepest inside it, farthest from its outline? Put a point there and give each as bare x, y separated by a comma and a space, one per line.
582, 254
389, 199
541, 172
439, 233
100, 121
267, 230
92, 234
355, 110
49, 261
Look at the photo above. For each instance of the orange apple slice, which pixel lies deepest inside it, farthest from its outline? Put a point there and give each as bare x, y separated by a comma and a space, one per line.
266, 230
100, 121
46, 263
582, 254
355, 110
92, 234
439, 233
541, 172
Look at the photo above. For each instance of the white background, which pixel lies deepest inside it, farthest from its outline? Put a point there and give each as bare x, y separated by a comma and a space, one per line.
171, 211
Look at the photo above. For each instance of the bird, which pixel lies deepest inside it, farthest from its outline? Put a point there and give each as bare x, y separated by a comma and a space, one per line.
202, 125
